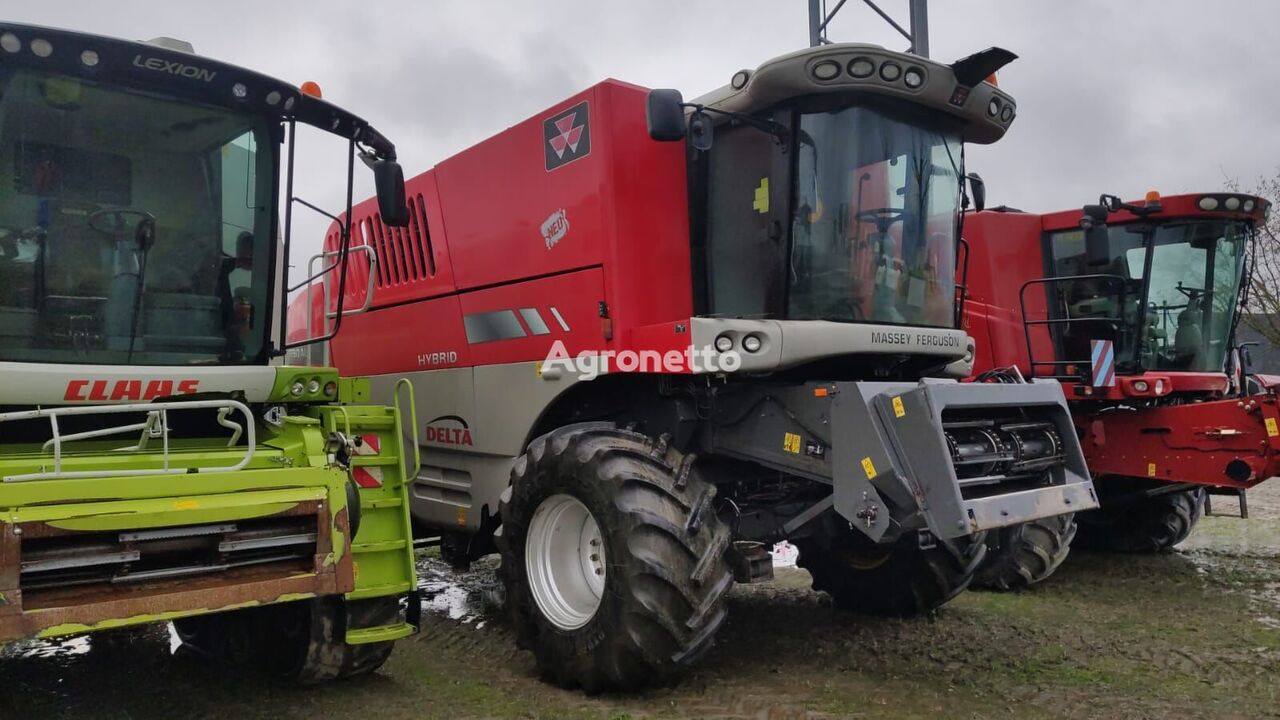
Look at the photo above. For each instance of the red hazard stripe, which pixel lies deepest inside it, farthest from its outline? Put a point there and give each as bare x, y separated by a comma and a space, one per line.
367, 477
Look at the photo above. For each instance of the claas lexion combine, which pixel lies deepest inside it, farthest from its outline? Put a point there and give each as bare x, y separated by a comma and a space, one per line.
157, 462
1133, 307
653, 337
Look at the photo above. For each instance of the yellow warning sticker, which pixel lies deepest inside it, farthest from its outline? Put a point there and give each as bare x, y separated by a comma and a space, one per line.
1151, 469
760, 203
185, 505
791, 443
1272, 430
869, 468
898, 410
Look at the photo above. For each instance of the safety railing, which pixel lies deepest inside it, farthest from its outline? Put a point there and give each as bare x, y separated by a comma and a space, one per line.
154, 428
1053, 325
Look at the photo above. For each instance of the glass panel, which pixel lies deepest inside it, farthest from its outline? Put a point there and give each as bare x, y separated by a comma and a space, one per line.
1196, 269
83, 277
1192, 294
745, 267
873, 235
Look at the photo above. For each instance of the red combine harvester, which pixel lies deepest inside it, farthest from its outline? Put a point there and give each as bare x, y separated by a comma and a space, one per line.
646, 359
1133, 308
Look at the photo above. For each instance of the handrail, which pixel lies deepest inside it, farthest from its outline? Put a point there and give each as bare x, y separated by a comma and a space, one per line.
1027, 323
313, 275
156, 425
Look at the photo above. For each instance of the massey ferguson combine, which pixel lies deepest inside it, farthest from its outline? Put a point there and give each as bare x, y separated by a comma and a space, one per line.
656, 337
1133, 308
155, 465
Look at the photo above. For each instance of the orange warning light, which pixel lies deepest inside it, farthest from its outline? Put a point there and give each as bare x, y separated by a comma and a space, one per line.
310, 88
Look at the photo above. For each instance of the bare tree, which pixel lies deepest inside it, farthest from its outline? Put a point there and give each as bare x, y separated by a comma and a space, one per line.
1262, 311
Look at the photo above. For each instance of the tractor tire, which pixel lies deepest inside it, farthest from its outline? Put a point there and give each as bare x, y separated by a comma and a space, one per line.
1150, 525
896, 580
302, 641
613, 558
1022, 555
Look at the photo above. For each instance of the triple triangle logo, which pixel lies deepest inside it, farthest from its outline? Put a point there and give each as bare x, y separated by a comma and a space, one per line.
567, 136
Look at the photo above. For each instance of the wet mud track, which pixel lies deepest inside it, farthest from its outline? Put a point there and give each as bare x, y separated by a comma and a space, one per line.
1191, 634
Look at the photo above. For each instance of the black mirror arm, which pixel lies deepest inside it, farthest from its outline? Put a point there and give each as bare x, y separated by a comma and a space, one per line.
773, 127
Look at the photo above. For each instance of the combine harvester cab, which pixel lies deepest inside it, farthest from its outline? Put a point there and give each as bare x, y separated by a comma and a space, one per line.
156, 462
1133, 307
646, 354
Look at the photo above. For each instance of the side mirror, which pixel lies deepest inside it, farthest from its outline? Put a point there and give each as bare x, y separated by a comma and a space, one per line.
664, 113
1097, 244
978, 189
388, 178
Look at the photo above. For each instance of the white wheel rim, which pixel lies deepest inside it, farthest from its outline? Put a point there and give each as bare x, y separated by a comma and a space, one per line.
564, 560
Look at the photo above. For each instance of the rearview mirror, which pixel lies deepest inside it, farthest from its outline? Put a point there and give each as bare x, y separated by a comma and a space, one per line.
664, 113
977, 189
1097, 245
388, 178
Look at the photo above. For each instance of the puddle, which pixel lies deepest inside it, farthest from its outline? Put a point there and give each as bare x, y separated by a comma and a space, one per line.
466, 597
50, 649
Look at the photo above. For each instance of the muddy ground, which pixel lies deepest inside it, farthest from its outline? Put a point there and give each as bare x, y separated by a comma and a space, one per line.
1192, 634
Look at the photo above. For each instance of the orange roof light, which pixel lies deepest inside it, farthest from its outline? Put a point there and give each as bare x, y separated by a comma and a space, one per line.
992, 79
1153, 200
310, 88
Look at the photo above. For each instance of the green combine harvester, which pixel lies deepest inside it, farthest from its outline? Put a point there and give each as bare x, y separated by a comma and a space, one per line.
158, 462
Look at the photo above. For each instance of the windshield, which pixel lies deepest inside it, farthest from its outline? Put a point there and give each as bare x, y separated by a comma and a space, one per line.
1191, 292
874, 228
133, 229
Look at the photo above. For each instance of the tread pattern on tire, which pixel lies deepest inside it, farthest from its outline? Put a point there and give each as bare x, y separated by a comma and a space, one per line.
905, 580
668, 576
1150, 525
1022, 555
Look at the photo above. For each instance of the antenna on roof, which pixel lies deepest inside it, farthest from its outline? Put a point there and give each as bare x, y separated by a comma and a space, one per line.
918, 36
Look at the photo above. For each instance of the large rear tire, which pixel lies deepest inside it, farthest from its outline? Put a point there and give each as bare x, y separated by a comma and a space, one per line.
1022, 555
896, 580
1147, 525
613, 558
302, 641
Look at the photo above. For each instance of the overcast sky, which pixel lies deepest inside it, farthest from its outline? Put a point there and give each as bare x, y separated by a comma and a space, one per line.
1117, 97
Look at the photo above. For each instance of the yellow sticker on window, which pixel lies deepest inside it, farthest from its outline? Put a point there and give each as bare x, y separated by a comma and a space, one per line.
761, 202
791, 443
1272, 430
898, 410
1151, 469
869, 468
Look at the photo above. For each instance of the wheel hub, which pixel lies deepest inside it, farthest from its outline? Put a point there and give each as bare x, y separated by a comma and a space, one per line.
565, 561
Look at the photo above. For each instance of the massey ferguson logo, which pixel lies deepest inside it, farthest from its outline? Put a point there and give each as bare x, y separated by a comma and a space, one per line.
173, 67
449, 430
567, 136
83, 390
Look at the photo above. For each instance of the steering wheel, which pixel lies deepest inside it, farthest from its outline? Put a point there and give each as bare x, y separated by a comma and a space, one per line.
118, 227
882, 217
1192, 293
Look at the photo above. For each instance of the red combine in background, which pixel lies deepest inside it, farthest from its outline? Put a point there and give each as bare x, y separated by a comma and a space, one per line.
1133, 308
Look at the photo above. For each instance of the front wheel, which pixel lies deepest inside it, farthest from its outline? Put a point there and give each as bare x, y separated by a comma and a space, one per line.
613, 558
900, 579
304, 641
1022, 555
1147, 525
